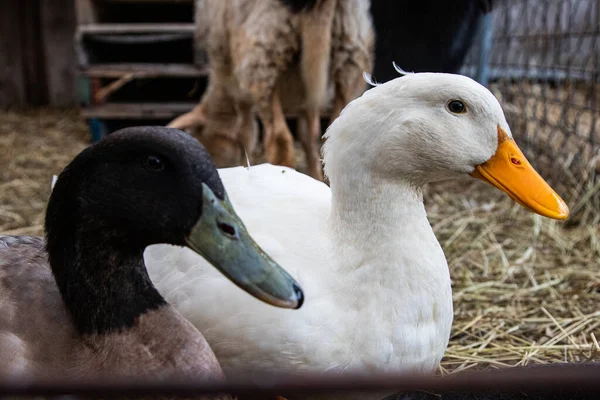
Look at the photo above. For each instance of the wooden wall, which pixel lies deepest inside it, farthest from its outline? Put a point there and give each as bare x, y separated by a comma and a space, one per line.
37, 56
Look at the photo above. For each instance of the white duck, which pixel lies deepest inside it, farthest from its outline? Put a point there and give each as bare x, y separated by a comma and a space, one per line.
376, 282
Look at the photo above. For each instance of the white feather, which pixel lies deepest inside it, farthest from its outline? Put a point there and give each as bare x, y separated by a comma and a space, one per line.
400, 70
247, 158
369, 79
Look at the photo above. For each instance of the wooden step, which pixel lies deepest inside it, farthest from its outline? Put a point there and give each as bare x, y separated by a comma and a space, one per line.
116, 28
152, 110
148, 43
133, 11
144, 70
137, 110
148, 1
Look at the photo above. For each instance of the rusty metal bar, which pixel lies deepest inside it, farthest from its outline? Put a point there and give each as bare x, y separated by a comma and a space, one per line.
549, 379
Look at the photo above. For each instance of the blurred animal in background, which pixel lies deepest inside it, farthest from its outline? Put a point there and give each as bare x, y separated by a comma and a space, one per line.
425, 35
267, 56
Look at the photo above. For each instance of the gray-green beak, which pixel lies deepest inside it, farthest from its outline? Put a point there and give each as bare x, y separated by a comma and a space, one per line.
222, 239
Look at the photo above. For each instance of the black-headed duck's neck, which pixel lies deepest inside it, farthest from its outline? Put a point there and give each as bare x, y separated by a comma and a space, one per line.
103, 282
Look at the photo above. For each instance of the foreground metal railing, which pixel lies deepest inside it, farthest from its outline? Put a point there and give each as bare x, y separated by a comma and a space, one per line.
577, 379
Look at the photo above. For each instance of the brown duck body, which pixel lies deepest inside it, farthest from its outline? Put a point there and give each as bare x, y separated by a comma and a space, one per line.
39, 339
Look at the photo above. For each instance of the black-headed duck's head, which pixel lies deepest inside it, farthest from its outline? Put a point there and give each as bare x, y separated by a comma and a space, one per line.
147, 185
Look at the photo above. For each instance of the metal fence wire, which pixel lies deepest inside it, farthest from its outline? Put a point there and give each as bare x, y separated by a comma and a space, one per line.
543, 66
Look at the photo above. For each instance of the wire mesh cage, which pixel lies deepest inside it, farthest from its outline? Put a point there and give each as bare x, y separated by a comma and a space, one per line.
543, 66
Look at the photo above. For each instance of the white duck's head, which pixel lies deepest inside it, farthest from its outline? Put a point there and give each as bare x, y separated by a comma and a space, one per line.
426, 127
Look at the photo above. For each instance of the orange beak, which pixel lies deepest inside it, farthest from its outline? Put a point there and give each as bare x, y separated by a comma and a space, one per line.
509, 171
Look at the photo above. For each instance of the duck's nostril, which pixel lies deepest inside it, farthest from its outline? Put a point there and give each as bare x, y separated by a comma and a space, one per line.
226, 228
299, 296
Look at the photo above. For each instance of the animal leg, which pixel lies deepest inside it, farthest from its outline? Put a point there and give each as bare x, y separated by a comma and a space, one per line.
309, 129
192, 119
278, 140
220, 133
338, 104
248, 129
345, 92
223, 149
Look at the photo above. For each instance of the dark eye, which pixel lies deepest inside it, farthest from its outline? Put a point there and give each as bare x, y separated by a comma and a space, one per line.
153, 164
457, 107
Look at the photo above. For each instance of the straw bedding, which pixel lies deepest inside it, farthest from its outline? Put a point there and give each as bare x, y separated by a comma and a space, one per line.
526, 289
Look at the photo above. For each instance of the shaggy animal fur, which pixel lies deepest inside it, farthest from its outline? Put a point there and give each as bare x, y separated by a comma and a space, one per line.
267, 57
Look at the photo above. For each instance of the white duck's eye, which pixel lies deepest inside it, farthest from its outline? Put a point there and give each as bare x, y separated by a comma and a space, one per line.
153, 164
457, 107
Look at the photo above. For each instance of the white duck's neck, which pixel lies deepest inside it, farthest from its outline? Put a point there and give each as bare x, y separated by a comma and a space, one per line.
396, 282
368, 213
380, 235
395, 275
363, 210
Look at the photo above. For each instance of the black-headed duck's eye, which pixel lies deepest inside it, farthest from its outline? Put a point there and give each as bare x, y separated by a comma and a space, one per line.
457, 107
153, 164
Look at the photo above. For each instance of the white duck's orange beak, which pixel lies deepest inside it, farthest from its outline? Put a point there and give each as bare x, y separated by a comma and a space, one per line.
509, 171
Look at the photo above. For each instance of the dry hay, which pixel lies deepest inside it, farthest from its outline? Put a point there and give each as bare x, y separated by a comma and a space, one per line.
526, 289
33, 146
